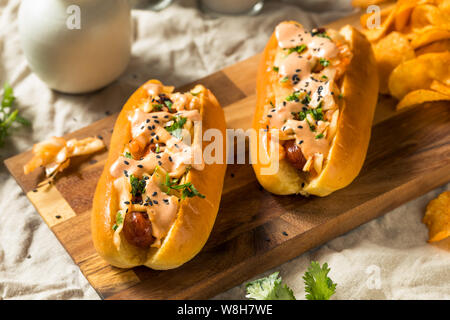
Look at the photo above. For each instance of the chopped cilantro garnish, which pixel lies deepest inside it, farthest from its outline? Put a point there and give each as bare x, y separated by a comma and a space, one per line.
298, 49
137, 185
340, 96
157, 107
168, 104
319, 136
176, 126
128, 155
306, 100
187, 189
158, 149
285, 79
276, 69
119, 220
293, 97
324, 62
324, 77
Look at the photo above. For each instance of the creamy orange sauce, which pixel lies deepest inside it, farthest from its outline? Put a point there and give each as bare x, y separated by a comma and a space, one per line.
306, 63
162, 211
174, 156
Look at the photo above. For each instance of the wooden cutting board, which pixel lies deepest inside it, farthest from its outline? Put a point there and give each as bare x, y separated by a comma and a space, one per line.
409, 154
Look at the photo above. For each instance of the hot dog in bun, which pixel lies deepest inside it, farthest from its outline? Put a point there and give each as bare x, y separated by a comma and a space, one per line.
157, 200
316, 95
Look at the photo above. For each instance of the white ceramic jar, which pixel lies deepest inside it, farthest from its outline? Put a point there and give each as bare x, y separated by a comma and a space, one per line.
76, 46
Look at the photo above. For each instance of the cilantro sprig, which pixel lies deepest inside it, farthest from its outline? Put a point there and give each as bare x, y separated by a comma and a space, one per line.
269, 288
187, 189
318, 285
9, 115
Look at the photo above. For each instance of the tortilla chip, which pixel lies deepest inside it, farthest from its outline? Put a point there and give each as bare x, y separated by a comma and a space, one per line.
419, 73
390, 51
440, 87
437, 217
416, 97
437, 46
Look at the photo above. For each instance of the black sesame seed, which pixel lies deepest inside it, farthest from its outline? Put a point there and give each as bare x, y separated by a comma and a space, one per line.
154, 194
152, 134
300, 142
126, 162
140, 166
160, 163
170, 159
58, 217
285, 233
155, 202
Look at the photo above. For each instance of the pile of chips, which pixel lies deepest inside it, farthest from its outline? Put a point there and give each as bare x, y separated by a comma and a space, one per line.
412, 49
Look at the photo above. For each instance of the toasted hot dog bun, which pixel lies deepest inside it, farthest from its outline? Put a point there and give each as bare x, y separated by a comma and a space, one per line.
195, 216
359, 89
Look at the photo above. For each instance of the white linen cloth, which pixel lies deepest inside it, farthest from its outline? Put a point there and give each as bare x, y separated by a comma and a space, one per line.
179, 45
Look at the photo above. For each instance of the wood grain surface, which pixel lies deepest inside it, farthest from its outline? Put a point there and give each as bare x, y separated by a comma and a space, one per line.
409, 154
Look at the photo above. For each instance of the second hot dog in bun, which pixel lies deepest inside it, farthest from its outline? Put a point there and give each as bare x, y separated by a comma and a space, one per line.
316, 96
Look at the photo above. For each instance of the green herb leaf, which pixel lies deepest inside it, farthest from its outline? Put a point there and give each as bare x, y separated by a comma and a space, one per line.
269, 288
306, 100
285, 79
168, 104
324, 62
276, 69
128, 155
119, 220
298, 49
187, 189
8, 116
137, 185
317, 283
157, 107
176, 126
319, 136
294, 96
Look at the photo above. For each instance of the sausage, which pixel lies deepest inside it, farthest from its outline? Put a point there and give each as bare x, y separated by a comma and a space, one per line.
137, 229
294, 154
